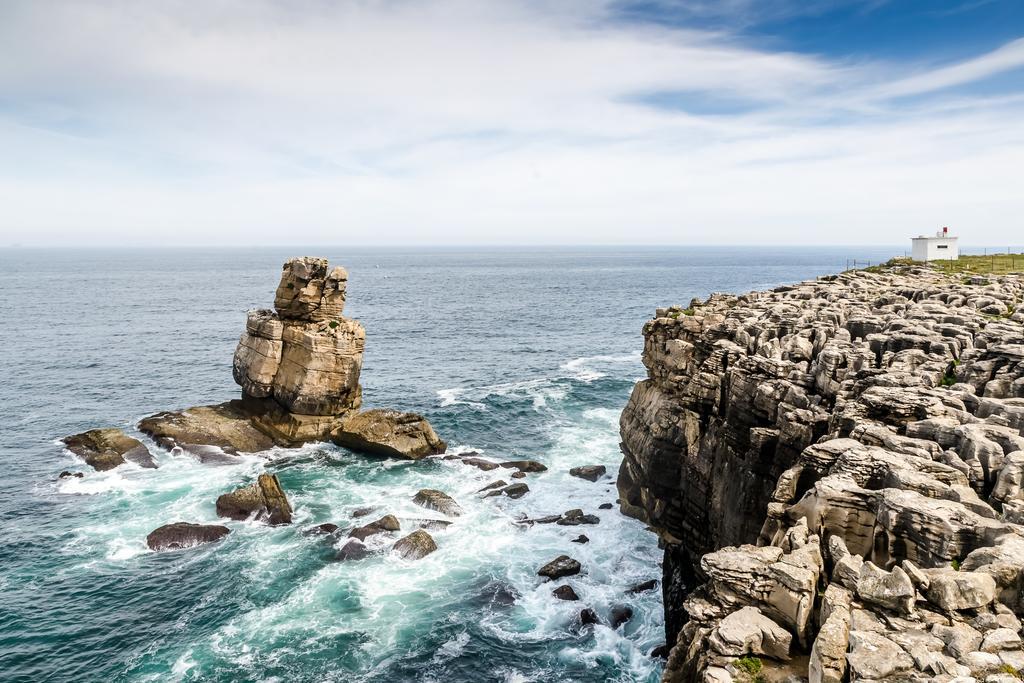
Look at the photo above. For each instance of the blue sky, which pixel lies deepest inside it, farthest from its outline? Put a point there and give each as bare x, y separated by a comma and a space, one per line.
652, 121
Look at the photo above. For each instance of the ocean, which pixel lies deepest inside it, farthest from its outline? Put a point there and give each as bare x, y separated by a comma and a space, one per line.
516, 353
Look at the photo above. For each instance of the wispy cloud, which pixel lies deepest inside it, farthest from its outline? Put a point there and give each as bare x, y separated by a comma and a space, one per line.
363, 122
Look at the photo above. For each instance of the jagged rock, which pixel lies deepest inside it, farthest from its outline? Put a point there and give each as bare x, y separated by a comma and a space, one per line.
619, 615
184, 535
416, 545
565, 593
891, 590
433, 499
959, 638
524, 466
105, 449
576, 517
517, 490
563, 565
747, 631
589, 472
588, 616
954, 590
265, 500
643, 587
605, 506
827, 662
875, 657
325, 529
582, 538
480, 463
382, 525
1001, 639
389, 433
500, 483
352, 550
65, 475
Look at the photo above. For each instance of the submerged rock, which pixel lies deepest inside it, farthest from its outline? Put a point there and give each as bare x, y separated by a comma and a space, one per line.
325, 529
619, 615
517, 490
563, 565
184, 535
105, 449
582, 538
589, 472
65, 475
264, 499
432, 499
352, 550
416, 545
643, 587
389, 433
588, 616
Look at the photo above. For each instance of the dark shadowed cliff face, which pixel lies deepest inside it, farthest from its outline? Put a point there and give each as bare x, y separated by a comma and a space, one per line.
865, 431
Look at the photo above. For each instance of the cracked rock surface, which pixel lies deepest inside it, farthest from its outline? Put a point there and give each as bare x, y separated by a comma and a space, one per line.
840, 461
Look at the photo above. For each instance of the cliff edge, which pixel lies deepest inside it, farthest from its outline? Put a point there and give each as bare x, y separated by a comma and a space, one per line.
835, 471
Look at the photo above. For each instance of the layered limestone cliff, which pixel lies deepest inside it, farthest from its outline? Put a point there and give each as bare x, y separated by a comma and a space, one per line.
835, 472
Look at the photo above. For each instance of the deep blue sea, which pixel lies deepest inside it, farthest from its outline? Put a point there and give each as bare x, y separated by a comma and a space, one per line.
513, 352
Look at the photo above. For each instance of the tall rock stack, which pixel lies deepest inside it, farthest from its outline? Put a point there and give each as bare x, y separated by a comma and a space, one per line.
304, 355
834, 469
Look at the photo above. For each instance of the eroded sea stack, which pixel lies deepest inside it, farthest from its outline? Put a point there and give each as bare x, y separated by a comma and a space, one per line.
298, 366
835, 471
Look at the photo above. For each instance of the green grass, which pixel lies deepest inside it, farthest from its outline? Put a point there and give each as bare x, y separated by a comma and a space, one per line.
1009, 669
976, 264
749, 665
955, 564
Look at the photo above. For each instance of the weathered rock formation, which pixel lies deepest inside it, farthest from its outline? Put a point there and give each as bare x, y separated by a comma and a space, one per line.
265, 501
416, 545
184, 535
835, 472
105, 449
298, 366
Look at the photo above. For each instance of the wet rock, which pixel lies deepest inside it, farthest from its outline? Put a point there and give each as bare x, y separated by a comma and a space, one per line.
416, 545
546, 519
265, 501
526, 466
208, 432
500, 594
582, 538
480, 463
512, 491
105, 449
661, 652
576, 517
184, 535
518, 475
605, 506
432, 499
325, 529
619, 615
643, 587
363, 511
65, 475
565, 593
431, 524
389, 433
383, 525
501, 483
563, 565
588, 616
352, 550
589, 472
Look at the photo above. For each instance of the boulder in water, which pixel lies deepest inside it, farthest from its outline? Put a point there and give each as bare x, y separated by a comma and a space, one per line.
643, 587
588, 616
265, 500
389, 433
105, 449
582, 538
416, 545
620, 614
432, 499
353, 550
184, 535
563, 565
524, 466
325, 529
589, 472
576, 517
382, 525
65, 475
565, 592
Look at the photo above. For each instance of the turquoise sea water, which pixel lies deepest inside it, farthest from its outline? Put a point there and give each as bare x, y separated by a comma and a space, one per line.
515, 353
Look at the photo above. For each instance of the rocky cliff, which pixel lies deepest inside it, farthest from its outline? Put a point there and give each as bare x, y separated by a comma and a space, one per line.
835, 472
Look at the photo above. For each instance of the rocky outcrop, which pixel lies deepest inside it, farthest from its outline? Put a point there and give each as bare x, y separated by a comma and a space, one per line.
416, 545
432, 499
184, 535
841, 458
265, 501
298, 366
561, 566
389, 433
105, 449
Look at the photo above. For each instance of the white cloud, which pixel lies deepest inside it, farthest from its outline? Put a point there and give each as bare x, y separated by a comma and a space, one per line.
373, 122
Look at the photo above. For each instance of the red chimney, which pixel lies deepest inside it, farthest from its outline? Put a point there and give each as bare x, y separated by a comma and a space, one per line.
945, 231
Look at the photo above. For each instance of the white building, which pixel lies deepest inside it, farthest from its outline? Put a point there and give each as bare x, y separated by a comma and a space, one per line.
942, 247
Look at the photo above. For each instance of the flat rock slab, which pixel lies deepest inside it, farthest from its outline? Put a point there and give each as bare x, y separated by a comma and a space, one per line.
432, 499
524, 466
517, 490
389, 433
184, 535
105, 449
227, 426
563, 565
265, 500
383, 525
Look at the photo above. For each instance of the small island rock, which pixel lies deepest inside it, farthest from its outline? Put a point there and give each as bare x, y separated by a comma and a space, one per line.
265, 499
563, 565
416, 545
105, 449
184, 535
